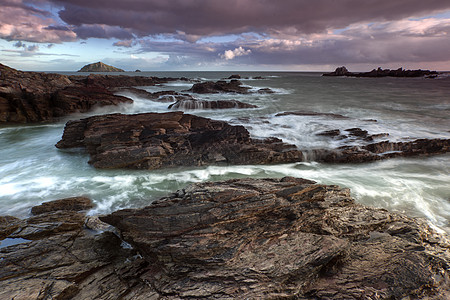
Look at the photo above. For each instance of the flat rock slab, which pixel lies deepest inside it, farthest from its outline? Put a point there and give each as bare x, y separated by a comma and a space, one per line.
152, 141
283, 238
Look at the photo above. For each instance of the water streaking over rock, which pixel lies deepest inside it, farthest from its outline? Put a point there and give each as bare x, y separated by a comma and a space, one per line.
153, 141
236, 239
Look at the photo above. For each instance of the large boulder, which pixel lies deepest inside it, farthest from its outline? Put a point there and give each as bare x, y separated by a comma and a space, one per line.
152, 141
283, 238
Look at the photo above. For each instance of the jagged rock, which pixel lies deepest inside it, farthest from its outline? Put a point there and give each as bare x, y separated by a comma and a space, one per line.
99, 67
382, 150
342, 71
283, 238
237, 239
191, 104
221, 86
69, 263
152, 140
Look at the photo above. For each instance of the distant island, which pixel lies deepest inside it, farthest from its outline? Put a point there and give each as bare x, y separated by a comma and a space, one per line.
400, 72
99, 67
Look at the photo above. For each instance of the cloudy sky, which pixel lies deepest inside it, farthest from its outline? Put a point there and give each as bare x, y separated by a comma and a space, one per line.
290, 35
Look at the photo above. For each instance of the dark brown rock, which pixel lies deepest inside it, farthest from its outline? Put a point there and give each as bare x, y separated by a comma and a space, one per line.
162, 96
67, 261
265, 91
383, 150
67, 204
235, 76
209, 87
283, 238
151, 141
27, 97
191, 104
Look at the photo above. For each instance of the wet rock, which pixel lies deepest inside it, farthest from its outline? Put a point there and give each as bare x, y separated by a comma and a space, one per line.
152, 141
162, 96
72, 263
283, 238
235, 76
67, 204
191, 104
311, 114
265, 91
221, 86
383, 150
340, 71
27, 97
331, 133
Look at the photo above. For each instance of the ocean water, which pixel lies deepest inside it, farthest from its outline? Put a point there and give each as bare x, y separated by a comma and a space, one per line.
33, 171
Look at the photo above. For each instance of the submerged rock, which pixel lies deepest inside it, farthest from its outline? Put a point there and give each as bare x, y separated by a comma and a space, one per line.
152, 141
190, 104
221, 86
283, 238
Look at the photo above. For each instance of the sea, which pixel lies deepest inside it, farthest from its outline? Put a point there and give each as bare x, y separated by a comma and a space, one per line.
33, 170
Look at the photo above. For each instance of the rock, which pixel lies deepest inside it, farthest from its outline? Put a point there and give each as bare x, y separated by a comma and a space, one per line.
258, 77
221, 86
342, 71
27, 97
190, 104
235, 76
310, 114
152, 141
99, 67
265, 91
383, 150
162, 96
67, 204
69, 263
283, 238
138, 70
331, 133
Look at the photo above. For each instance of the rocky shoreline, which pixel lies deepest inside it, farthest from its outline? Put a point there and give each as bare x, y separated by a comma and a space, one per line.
243, 238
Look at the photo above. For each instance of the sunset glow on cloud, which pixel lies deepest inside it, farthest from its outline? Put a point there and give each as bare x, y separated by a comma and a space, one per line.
235, 34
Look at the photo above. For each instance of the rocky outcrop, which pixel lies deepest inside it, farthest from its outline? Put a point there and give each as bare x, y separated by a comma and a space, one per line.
99, 67
161, 96
221, 86
400, 72
381, 150
283, 238
59, 253
236, 239
152, 141
191, 104
27, 97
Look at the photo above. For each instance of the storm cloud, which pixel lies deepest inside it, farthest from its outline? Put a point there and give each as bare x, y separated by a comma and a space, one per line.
242, 31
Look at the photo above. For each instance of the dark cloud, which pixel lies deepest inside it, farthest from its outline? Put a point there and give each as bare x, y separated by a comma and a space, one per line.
102, 31
218, 17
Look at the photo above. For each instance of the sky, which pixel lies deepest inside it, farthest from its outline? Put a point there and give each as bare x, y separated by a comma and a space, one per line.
214, 35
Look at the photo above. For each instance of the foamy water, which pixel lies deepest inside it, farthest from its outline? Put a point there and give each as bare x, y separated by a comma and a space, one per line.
32, 170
